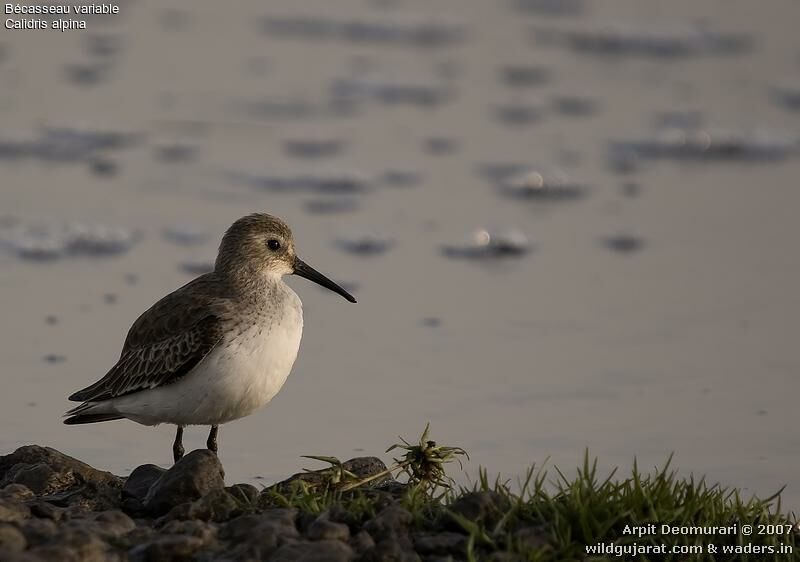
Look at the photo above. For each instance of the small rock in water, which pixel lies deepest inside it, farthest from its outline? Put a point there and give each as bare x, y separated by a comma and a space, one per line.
575, 105
329, 205
365, 244
431, 322
522, 76
87, 74
509, 242
518, 114
414, 32
55, 358
314, 147
401, 178
186, 234
391, 91
631, 189
788, 96
551, 7
623, 243
705, 145
102, 45
537, 185
336, 183
441, 146
658, 42
173, 153
99, 240
103, 166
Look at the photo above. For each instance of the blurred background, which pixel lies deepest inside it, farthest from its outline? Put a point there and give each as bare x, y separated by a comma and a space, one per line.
569, 224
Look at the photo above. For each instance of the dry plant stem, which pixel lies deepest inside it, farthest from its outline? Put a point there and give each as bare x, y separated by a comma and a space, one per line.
368, 479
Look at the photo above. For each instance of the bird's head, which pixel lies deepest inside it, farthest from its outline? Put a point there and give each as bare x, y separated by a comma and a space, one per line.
265, 243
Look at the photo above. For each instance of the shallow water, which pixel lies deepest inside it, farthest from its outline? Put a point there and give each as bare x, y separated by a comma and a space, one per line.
686, 345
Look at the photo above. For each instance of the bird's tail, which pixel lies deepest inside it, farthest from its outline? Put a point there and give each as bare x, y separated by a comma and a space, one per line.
84, 414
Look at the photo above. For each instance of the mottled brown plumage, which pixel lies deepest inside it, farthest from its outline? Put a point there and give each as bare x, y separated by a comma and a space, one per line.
215, 349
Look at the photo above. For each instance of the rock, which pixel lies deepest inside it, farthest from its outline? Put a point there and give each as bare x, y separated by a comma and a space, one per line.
11, 540
506, 557
323, 529
257, 535
46, 510
481, 507
279, 522
138, 483
191, 478
169, 547
389, 523
207, 532
441, 543
391, 549
531, 538
361, 542
47, 472
113, 523
39, 531
361, 467
16, 493
11, 512
243, 493
317, 551
88, 546
217, 505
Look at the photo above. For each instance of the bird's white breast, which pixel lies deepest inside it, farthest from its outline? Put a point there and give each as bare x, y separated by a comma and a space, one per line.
242, 373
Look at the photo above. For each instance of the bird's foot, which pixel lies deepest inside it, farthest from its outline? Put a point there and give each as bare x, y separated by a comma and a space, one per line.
211, 444
177, 446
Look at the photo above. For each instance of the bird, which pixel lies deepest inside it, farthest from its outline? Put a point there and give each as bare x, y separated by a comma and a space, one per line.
218, 348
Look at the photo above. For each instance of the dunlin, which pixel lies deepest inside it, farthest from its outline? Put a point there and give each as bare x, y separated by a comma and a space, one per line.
218, 348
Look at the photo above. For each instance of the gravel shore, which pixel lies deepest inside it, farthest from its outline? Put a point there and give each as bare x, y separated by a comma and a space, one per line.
55, 507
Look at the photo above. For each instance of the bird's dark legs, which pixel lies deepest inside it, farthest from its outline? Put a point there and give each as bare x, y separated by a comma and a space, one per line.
211, 444
177, 446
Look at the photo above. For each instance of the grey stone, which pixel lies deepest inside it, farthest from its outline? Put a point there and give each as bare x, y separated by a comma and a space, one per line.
206, 532
317, 551
138, 483
217, 505
47, 471
113, 523
440, 543
277, 522
39, 531
244, 493
323, 529
531, 538
389, 523
13, 511
11, 540
391, 549
191, 478
16, 493
361, 542
88, 546
166, 548
485, 507
45, 510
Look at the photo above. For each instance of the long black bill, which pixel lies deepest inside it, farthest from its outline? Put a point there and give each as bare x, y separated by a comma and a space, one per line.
302, 269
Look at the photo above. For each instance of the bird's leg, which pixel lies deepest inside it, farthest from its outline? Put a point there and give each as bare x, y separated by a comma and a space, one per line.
177, 446
211, 444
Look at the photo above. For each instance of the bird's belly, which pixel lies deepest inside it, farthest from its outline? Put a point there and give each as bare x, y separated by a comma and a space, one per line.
236, 378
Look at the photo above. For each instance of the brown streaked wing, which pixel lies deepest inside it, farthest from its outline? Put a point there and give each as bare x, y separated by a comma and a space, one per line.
164, 344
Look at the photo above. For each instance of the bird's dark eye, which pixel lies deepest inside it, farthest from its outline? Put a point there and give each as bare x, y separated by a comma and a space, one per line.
274, 245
